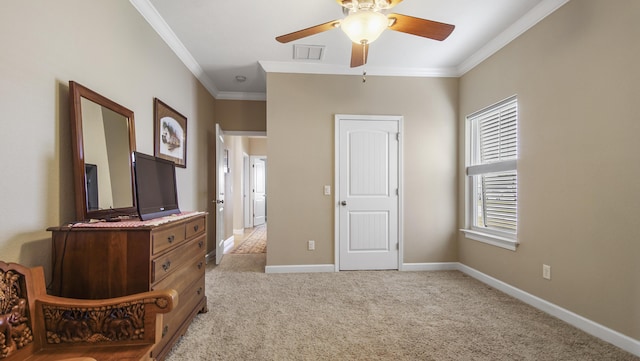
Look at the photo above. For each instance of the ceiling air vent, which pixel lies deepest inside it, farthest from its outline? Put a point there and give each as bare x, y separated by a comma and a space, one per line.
308, 52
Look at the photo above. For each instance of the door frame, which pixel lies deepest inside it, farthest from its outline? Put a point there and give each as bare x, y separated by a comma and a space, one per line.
246, 191
336, 211
219, 234
252, 186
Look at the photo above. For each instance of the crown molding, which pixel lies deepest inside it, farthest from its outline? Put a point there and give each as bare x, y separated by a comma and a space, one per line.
241, 96
328, 69
151, 15
534, 16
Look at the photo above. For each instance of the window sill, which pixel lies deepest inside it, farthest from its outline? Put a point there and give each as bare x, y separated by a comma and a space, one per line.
491, 239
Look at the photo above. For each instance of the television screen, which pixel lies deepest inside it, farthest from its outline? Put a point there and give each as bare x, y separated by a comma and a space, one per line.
156, 192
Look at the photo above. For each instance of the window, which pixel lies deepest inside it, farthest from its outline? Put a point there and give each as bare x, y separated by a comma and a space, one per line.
492, 206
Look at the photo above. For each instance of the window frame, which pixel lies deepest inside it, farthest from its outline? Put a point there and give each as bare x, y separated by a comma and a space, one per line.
473, 171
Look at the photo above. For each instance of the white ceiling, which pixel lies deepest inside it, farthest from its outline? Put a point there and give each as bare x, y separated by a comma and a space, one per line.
219, 40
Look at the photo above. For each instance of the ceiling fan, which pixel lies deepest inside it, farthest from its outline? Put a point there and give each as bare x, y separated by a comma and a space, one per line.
366, 20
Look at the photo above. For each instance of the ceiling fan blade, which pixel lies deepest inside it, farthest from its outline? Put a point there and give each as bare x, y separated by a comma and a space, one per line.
308, 31
420, 27
359, 54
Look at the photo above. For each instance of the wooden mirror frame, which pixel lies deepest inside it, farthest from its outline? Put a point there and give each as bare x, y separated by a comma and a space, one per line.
76, 93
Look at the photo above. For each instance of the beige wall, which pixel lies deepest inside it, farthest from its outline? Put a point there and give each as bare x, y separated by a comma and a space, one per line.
108, 47
241, 115
258, 146
300, 127
577, 82
240, 147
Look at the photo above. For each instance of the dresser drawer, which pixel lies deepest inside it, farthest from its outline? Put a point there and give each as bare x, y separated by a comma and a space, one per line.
195, 227
177, 259
167, 238
188, 300
181, 278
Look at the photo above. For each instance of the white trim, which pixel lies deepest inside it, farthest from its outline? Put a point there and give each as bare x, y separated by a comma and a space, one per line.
252, 180
336, 195
211, 256
400, 120
435, 266
246, 133
151, 15
491, 239
240, 96
336, 69
228, 244
238, 232
400, 193
495, 167
306, 268
595, 329
534, 16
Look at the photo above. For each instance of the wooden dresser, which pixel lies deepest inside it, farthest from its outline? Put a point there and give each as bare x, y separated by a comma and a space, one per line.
105, 260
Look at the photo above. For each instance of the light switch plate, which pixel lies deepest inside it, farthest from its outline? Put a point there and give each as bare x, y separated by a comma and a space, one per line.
327, 190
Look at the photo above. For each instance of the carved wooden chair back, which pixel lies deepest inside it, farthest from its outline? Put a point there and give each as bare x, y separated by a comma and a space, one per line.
16, 312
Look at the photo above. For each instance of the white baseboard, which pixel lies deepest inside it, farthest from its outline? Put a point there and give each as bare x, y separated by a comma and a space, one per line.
307, 268
616, 338
210, 257
228, 244
436, 266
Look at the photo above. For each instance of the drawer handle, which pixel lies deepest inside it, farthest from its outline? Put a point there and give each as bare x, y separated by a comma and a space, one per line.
199, 291
196, 227
165, 329
200, 264
171, 238
166, 265
200, 244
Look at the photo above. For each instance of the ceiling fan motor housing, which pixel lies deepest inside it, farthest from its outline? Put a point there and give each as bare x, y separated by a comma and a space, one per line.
357, 5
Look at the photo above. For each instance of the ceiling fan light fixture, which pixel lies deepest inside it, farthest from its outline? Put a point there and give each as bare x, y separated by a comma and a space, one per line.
364, 26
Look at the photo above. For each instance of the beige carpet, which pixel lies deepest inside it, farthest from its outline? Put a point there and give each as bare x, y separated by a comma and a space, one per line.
378, 315
255, 242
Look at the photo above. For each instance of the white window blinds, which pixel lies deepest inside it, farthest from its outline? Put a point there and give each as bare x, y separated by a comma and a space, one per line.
494, 166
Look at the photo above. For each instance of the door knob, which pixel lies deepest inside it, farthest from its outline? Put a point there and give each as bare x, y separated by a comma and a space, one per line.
344, 203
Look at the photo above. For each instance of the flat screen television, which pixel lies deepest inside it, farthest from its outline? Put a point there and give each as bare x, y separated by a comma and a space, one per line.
156, 192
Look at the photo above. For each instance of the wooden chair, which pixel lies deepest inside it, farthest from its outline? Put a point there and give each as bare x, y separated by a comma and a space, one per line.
35, 326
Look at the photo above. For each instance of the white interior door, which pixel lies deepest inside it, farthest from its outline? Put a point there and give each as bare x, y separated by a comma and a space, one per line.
367, 158
220, 177
246, 190
259, 187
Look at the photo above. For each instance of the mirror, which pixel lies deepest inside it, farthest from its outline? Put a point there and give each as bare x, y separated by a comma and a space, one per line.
103, 141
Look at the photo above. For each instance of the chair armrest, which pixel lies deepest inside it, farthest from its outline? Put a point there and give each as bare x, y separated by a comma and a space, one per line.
116, 321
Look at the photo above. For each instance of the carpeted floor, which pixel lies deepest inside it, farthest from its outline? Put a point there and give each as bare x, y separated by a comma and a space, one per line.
372, 315
255, 242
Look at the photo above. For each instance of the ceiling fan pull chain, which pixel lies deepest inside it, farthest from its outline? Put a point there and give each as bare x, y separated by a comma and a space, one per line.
364, 60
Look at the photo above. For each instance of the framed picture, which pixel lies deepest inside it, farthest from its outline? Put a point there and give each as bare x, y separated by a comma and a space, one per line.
170, 133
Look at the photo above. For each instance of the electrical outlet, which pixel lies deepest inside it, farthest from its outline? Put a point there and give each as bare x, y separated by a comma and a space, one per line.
311, 245
546, 272
327, 190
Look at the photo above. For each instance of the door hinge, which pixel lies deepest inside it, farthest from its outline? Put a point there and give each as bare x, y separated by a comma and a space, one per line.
398, 246
397, 136
397, 192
